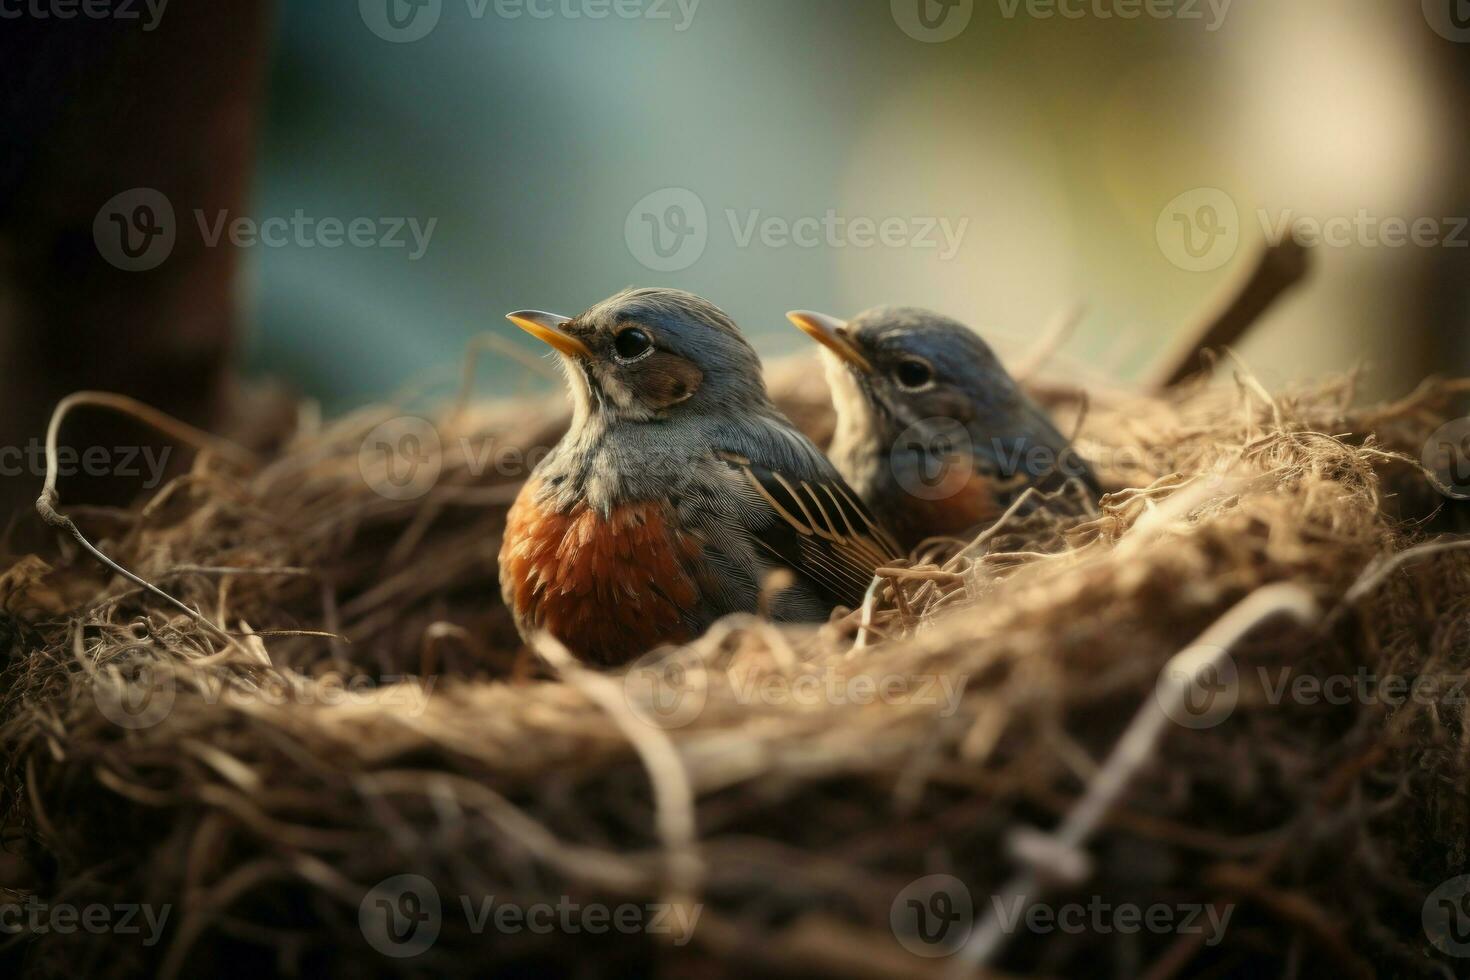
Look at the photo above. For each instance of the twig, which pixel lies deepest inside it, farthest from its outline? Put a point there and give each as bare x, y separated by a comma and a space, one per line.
46, 503
1058, 331
1136, 747
870, 603
920, 575
1430, 388
498, 344
1238, 308
1380, 571
287, 571
974, 547
671, 785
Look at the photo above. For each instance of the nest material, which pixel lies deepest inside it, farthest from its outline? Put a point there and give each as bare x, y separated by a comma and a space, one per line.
351, 705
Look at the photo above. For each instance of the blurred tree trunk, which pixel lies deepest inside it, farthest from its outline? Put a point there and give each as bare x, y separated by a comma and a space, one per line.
1442, 341
1449, 285
90, 109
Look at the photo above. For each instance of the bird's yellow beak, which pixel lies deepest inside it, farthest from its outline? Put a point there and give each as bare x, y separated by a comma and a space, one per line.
547, 328
831, 333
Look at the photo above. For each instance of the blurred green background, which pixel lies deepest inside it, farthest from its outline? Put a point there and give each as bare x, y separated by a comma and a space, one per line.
1058, 141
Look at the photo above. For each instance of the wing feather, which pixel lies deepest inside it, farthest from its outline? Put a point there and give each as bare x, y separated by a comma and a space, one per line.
835, 555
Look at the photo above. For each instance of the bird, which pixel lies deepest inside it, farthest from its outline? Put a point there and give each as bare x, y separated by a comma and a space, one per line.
679, 494
932, 432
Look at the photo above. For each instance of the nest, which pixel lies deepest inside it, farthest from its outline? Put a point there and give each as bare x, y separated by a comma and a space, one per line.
313, 745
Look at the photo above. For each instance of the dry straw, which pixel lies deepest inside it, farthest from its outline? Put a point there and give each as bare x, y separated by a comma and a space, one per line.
187, 720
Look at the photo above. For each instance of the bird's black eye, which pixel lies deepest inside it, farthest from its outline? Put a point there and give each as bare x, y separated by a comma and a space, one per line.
913, 373
632, 343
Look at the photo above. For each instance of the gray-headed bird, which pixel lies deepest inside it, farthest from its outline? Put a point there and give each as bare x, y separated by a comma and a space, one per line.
677, 492
932, 432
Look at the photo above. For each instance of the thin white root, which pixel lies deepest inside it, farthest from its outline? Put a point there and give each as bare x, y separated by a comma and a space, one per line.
1134, 750
672, 790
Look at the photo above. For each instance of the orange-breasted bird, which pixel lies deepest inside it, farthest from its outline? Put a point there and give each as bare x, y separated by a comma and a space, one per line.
677, 491
932, 431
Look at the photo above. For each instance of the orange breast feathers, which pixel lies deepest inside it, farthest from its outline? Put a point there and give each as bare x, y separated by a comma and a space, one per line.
966, 503
609, 588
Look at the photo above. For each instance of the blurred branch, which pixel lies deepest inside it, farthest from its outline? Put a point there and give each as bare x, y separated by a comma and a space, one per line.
1054, 337
1240, 305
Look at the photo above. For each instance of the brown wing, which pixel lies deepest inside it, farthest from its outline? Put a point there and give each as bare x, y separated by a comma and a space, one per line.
817, 528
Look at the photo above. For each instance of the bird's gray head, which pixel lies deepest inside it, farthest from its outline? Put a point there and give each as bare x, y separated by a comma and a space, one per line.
894, 367
652, 354
923, 407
